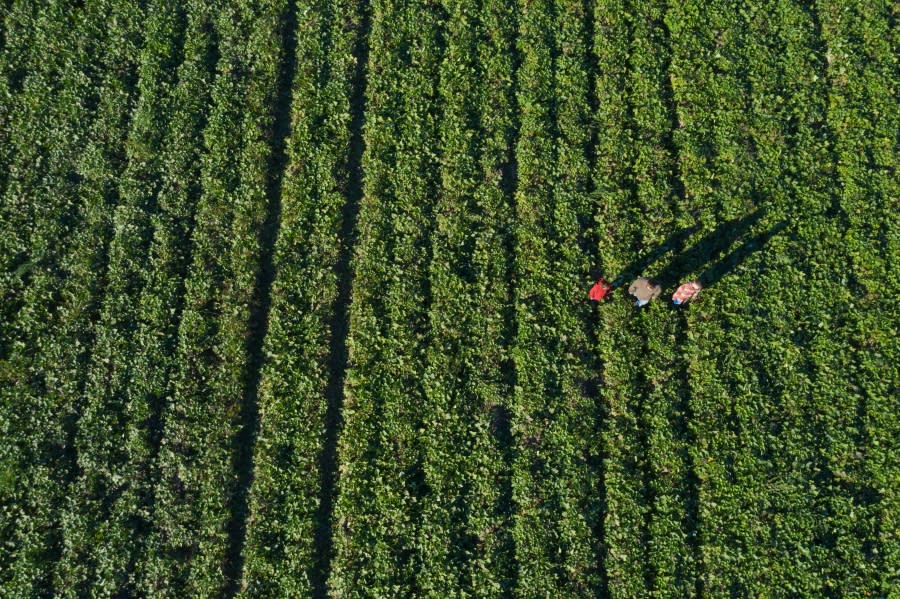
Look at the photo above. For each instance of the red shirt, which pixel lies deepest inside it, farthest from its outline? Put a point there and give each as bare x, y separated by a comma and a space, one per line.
599, 290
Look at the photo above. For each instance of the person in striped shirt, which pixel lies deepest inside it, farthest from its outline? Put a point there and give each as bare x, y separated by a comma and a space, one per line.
686, 292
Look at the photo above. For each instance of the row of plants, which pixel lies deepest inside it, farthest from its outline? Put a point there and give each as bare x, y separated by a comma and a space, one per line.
71, 200
288, 523
103, 508
23, 100
662, 221
161, 300
19, 25
732, 397
382, 486
555, 471
769, 377
623, 529
793, 165
466, 442
860, 68
197, 495
29, 83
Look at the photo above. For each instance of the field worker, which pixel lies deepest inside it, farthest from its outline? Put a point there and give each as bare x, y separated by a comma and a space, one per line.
644, 290
686, 292
599, 290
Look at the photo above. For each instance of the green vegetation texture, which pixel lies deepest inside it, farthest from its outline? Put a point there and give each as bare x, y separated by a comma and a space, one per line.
294, 298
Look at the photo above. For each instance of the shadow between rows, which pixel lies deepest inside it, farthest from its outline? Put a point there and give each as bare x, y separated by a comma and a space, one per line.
245, 439
338, 356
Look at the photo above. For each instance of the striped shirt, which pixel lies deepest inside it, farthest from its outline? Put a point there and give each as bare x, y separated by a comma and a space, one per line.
687, 291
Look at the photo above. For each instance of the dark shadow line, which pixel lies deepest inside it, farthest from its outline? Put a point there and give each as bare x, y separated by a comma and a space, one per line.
691, 521
701, 253
728, 263
338, 356
679, 195
245, 439
509, 183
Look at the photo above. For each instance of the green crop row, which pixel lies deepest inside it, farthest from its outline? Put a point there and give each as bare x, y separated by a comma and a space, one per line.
281, 552
711, 141
382, 484
68, 231
33, 111
623, 526
464, 532
767, 376
17, 55
190, 544
861, 67
18, 65
22, 144
785, 157
661, 402
105, 484
555, 471
734, 454
161, 300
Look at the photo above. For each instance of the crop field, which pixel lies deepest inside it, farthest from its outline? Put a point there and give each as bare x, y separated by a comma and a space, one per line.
294, 298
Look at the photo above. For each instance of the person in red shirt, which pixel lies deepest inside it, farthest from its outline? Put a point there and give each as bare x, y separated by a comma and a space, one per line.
599, 290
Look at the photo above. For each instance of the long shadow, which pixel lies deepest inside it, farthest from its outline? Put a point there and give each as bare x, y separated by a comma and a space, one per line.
702, 252
339, 325
674, 243
501, 432
245, 439
501, 416
729, 262
691, 492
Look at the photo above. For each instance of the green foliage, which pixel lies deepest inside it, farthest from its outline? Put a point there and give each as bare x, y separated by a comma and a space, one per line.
104, 516
189, 540
382, 483
330, 335
61, 195
464, 534
281, 558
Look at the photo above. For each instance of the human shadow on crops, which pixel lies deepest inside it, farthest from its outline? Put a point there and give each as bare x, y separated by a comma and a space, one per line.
704, 257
